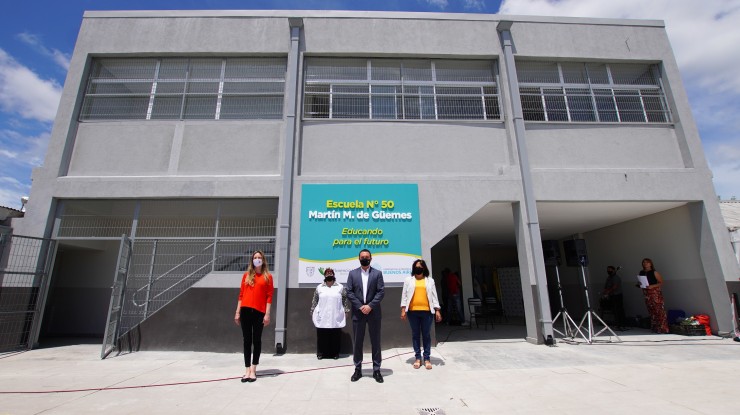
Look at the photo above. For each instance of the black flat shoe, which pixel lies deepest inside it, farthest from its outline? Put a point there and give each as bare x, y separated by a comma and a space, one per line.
245, 379
250, 380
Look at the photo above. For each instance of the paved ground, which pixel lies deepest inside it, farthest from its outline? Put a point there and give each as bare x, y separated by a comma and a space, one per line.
472, 374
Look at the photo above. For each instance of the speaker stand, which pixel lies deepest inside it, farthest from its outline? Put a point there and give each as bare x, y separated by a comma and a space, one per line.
569, 325
590, 315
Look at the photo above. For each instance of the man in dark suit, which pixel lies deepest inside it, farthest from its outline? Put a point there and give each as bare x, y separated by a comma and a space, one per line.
365, 290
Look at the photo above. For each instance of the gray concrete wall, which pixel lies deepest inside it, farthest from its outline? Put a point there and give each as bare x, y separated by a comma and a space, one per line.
202, 320
424, 148
161, 148
593, 146
410, 36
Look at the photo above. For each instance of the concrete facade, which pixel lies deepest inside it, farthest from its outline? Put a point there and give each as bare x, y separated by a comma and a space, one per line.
630, 190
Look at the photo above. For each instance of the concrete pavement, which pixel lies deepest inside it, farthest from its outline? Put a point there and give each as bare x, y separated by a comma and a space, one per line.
645, 373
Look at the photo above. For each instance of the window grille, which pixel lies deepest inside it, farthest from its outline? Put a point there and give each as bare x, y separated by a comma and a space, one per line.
400, 89
591, 92
184, 88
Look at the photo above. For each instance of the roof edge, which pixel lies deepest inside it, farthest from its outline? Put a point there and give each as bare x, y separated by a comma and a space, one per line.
346, 14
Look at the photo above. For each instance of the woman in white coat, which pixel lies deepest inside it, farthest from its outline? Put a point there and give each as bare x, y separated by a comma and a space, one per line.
419, 304
329, 309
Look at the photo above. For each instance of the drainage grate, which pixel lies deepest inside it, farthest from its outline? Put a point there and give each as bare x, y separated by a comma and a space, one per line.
430, 411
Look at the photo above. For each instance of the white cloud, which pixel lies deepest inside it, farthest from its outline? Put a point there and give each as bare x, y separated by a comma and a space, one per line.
7, 154
19, 154
726, 178
23, 150
442, 4
24, 93
474, 4
59, 57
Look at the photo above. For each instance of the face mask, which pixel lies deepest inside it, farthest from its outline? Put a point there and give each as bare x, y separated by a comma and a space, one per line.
257, 262
611, 272
418, 270
329, 279
364, 262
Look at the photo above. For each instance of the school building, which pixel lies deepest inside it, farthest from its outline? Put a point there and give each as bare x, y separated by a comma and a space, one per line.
185, 140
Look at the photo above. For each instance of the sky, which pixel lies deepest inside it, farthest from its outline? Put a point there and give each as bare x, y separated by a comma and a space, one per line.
37, 38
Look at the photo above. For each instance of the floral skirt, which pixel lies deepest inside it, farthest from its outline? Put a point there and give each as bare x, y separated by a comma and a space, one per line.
656, 308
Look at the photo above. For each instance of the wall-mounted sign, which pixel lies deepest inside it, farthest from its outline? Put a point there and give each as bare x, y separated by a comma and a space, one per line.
339, 220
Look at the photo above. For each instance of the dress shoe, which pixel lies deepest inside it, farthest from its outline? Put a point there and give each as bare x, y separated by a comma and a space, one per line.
356, 376
377, 376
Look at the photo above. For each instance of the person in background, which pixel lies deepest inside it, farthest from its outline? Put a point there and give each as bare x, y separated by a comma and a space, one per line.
613, 298
253, 311
365, 291
454, 300
654, 297
328, 312
419, 304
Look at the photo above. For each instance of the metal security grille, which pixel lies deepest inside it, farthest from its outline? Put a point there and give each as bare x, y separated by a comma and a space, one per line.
162, 269
400, 89
24, 273
184, 89
187, 218
96, 219
591, 92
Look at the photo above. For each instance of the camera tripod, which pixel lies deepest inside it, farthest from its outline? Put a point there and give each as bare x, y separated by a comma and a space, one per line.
590, 315
569, 326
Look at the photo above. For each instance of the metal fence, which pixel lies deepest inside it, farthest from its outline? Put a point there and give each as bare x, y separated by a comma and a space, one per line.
161, 269
24, 275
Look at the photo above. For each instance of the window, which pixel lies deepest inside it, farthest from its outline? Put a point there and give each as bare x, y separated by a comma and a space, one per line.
591, 92
184, 88
400, 89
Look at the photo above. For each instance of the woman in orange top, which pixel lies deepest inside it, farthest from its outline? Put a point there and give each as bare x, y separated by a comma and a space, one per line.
420, 304
253, 311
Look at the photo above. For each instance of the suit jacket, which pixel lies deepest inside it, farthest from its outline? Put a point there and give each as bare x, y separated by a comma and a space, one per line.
375, 291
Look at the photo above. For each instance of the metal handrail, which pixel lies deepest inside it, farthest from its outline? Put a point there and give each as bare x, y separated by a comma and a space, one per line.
150, 283
178, 282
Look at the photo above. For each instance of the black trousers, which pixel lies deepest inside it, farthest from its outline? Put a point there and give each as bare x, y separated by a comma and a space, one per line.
615, 304
328, 342
252, 324
372, 321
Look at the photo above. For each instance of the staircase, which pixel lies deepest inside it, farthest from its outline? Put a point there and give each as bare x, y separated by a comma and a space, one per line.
161, 270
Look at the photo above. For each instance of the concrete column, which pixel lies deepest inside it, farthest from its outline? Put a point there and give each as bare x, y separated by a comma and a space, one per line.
526, 273
529, 241
286, 197
716, 259
466, 270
